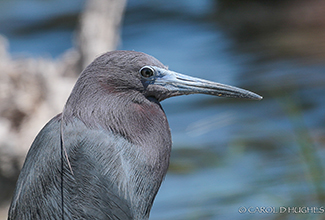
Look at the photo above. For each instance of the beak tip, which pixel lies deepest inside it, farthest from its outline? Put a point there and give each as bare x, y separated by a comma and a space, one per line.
257, 97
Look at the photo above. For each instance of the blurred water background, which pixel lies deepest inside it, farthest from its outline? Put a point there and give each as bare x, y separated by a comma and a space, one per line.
227, 153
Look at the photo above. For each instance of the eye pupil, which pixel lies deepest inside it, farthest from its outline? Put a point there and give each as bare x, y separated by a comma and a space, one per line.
146, 72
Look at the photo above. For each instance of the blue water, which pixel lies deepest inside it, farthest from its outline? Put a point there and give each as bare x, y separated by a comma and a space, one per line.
226, 153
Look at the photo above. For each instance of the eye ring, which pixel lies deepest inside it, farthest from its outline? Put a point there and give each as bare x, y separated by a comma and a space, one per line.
147, 71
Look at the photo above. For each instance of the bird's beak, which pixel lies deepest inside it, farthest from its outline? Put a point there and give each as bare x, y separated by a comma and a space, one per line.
180, 84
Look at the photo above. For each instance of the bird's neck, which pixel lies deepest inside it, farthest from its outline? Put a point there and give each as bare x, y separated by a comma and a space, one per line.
143, 124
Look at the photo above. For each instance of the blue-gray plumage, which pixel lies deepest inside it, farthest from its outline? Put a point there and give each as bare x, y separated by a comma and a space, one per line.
106, 154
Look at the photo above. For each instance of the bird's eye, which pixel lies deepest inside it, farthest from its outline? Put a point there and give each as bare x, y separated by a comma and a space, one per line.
146, 72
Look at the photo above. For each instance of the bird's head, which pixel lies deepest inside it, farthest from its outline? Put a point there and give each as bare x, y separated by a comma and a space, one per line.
130, 71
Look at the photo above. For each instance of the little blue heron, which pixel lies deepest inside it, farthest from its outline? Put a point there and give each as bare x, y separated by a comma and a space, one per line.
106, 154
